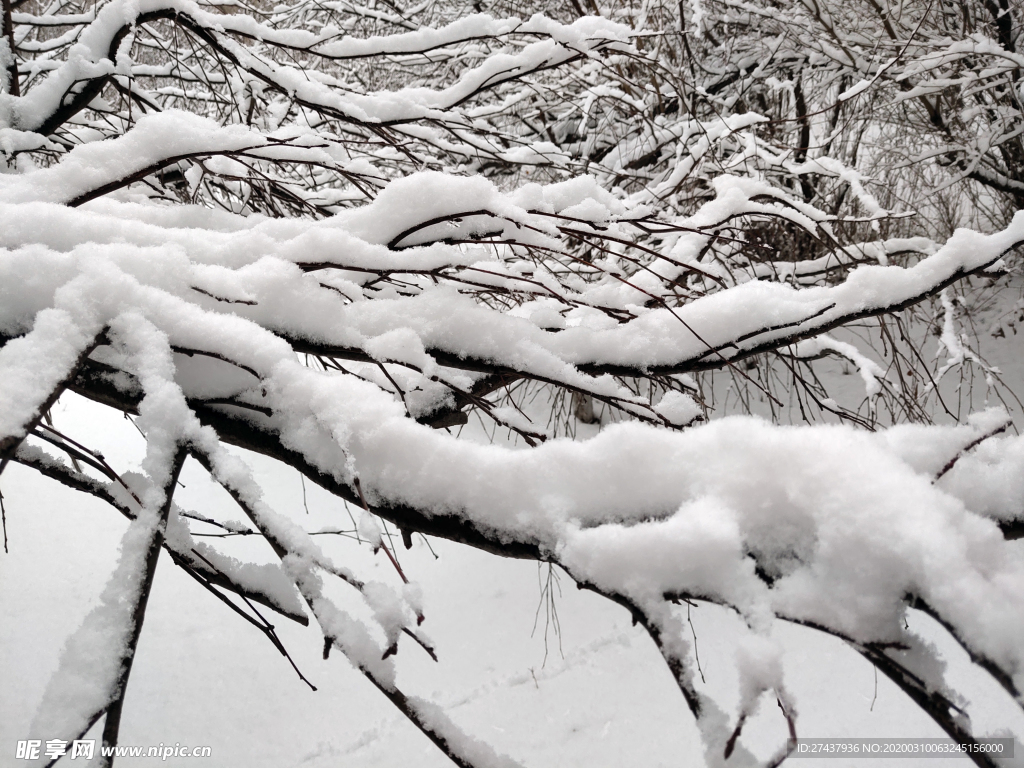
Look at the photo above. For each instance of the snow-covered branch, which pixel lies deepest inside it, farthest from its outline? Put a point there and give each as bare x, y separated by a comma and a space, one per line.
328, 234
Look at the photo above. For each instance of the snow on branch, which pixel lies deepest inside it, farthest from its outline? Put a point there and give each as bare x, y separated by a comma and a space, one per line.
329, 234
96, 58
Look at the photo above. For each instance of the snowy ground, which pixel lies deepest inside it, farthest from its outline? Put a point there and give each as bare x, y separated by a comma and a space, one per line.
602, 697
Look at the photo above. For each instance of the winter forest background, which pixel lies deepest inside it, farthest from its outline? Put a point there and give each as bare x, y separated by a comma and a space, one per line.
372, 331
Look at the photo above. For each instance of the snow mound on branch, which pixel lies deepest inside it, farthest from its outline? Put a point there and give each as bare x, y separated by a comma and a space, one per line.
841, 527
678, 408
157, 140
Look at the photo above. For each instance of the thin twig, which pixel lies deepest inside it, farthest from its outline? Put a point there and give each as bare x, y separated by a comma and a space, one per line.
266, 627
973, 444
3, 516
875, 697
383, 546
696, 654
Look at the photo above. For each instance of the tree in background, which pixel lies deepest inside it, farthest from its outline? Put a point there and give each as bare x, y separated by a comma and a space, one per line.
330, 233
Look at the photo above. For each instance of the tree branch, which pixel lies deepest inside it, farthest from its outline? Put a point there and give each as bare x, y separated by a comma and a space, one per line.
112, 723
